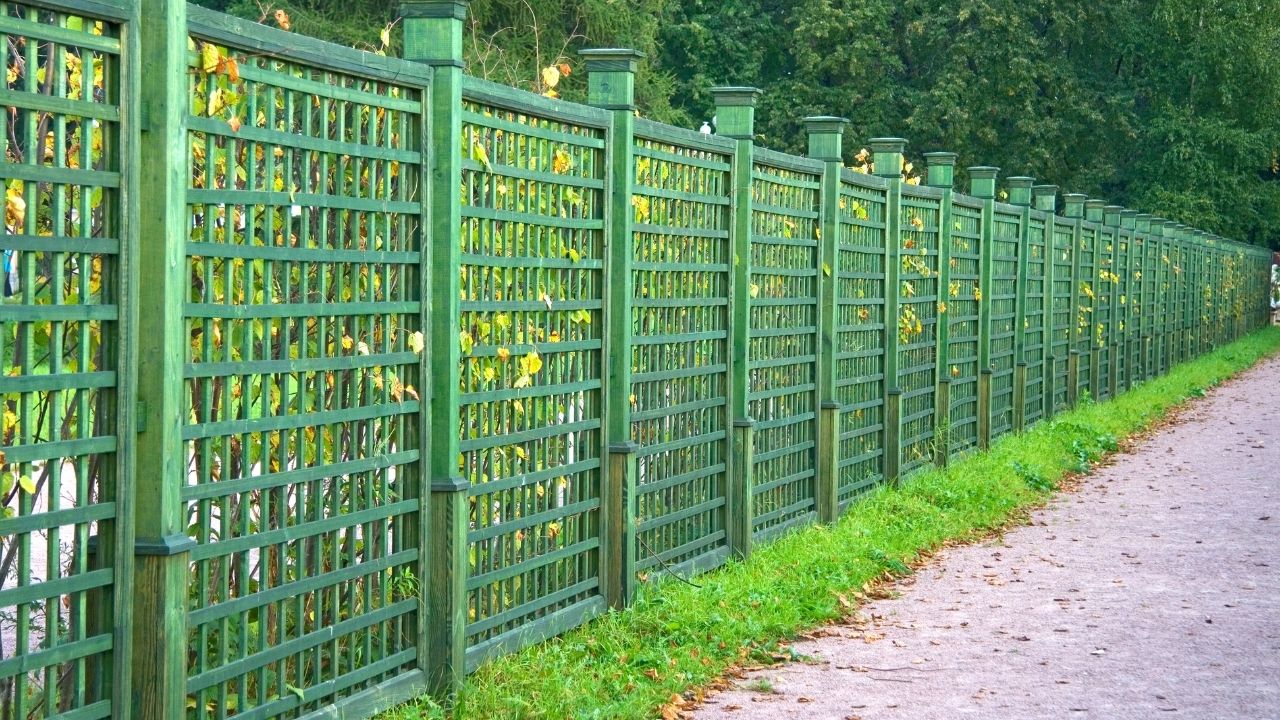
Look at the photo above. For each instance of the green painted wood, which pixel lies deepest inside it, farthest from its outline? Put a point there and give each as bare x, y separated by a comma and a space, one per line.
159, 654
983, 186
887, 159
825, 134
1130, 339
784, 340
940, 171
614, 91
861, 332
735, 113
811, 393
433, 37
1077, 304
1111, 222
1023, 193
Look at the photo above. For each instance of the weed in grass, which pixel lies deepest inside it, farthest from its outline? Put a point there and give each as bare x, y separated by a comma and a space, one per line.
761, 685
892, 564
687, 637
1033, 478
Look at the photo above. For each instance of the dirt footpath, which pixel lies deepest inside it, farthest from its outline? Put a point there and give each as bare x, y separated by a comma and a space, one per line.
1151, 592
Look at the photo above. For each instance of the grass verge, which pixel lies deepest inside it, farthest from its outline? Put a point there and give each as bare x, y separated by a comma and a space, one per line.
678, 639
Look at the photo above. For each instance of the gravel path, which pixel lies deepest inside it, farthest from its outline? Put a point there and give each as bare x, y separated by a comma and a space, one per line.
1153, 591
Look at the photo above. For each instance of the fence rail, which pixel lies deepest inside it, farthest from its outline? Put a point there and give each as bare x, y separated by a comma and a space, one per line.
328, 375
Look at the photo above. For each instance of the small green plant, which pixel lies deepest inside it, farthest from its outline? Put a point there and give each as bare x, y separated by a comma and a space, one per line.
761, 685
892, 564
1033, 477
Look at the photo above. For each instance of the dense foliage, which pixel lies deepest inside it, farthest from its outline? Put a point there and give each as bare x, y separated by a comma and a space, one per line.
1170, 106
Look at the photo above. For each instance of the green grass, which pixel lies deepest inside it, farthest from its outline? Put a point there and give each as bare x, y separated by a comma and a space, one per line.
678, 638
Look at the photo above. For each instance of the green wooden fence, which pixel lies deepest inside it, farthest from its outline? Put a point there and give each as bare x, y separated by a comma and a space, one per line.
330, 375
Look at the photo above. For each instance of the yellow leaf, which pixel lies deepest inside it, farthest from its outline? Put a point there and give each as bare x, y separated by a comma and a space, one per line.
561, 162
520, 453
479, 154
27, 484
209, 57
282, 20
417, 342
347, 342
234, 123
385, 36
466, 342
551, 76
523, 381
641, 204
504, 354
755, 290
15, 208
531, 363
490, 374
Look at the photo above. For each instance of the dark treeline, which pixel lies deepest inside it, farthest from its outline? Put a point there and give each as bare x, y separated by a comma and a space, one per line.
1170, 106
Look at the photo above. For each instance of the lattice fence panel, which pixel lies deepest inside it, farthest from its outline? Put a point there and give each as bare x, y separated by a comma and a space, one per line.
1034, 322
681, 348
918, 326
1104, 284
1178, 303
1165, 307
962, 314
1083, 333
860, 336
1142, 301
1121, 310
1062, 332
783, 346
303, 314
531, 329
1004, 281
61, 138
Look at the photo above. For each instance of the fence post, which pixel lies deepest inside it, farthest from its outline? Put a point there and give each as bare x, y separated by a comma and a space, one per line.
982, 185
433, 36
611, 86
1164, 328
1181, 284
825, 136
735, 118
1203, 272
1106, 255
886, 156
1147, 306
1168, 298
1095, 351
1127, 222
941, 170
161, 546
1111, 219
1021, 192
1074, 211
